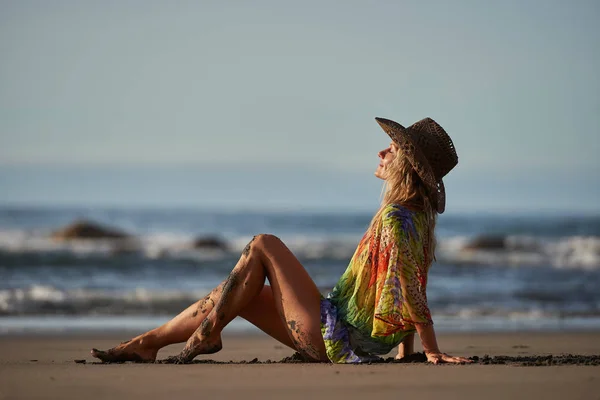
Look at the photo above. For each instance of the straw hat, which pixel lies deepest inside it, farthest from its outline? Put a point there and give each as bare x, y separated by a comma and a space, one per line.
430, 151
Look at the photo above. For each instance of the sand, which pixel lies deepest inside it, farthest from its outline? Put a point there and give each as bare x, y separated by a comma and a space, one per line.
42, 366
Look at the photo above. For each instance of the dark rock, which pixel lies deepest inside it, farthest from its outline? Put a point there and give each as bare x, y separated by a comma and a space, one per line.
209, 242
87, 230
486, 243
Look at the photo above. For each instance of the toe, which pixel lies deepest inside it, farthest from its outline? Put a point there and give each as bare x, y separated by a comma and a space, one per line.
99, 354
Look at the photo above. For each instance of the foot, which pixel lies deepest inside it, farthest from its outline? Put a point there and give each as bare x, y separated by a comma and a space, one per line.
194, 347
132, 350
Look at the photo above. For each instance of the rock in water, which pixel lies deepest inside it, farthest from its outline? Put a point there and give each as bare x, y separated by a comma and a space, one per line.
209, 242
87, 230
486, 243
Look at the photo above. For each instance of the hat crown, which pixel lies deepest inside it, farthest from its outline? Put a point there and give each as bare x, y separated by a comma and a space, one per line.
429, 150
436, 146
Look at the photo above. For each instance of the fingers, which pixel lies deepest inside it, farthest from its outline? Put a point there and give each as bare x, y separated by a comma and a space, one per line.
434, 358
455, 360
464, 360
445, 358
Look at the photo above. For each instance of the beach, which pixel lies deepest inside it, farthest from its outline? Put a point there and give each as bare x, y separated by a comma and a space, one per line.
43, 366
502, 285
394, 163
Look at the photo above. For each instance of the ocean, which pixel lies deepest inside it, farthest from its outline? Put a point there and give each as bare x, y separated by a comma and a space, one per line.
494, 272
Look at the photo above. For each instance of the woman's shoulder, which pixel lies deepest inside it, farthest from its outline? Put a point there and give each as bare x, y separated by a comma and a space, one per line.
398, 210
404, 217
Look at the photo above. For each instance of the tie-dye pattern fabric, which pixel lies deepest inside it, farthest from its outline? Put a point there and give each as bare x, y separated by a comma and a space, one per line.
382, 294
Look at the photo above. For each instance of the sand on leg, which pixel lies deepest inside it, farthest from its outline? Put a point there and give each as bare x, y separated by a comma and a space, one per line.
145, 347
259, 307
296, 298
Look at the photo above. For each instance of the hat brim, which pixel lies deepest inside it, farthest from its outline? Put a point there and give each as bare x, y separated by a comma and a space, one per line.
402, 137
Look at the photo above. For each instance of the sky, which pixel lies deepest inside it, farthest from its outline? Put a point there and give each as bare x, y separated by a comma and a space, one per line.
271, 104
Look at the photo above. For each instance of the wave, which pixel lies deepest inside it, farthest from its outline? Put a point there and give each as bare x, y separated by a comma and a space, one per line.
20, 248
573, 252
50, 300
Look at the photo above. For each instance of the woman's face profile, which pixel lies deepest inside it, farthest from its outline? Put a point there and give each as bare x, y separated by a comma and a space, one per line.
386, 156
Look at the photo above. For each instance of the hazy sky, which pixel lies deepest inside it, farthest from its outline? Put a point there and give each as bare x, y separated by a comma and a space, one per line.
271, 103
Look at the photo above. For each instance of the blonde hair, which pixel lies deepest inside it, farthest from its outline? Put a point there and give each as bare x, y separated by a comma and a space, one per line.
404, 186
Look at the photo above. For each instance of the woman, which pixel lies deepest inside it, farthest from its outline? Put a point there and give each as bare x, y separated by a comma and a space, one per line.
379, 301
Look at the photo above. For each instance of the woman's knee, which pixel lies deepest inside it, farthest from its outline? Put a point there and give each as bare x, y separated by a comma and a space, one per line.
266, 241
261, 243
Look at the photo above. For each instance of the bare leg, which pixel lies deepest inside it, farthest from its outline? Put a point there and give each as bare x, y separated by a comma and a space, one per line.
297, 300
146, 346
262, 313
262, 310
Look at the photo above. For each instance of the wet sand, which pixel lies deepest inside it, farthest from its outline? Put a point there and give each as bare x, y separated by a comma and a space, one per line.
33, 367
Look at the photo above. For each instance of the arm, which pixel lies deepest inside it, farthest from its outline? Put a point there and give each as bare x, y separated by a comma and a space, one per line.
428, 339
407, 347
406, 264
432, 351
414, 287
430, 346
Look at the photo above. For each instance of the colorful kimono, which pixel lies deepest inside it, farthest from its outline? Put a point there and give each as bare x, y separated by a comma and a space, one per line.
381, 296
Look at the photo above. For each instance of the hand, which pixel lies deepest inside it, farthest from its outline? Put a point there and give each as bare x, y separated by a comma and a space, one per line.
406, 347
403, 354
436, 357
